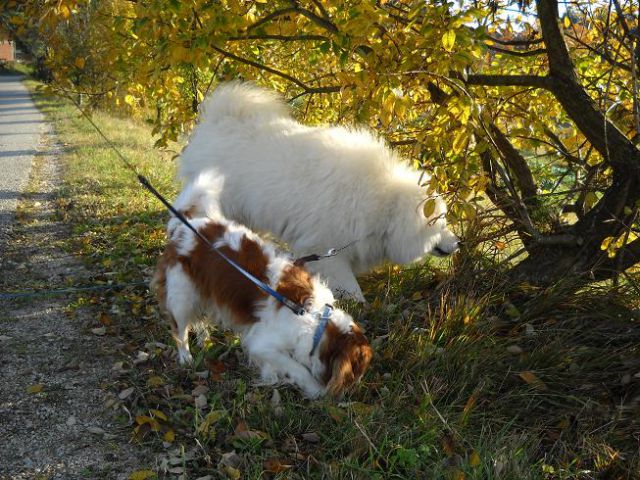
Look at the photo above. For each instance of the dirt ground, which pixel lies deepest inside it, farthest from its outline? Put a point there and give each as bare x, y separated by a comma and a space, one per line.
55, 420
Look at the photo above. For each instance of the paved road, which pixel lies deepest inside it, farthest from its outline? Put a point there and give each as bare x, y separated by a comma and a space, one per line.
21, 126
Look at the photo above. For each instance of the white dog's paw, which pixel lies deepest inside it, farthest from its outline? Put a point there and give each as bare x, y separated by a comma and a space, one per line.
184, 357
313, 391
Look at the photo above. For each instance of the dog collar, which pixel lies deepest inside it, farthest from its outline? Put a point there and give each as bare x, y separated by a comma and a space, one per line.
322, 325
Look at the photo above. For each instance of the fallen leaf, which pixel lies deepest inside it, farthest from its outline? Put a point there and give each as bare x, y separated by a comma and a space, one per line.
474, 459
335, 413
169, 436
105, 319
416, 296
210, 419
99, 331
530, 377
155, 381
311, 437
274, 465
37, 388
142, 475
231, 473
200, 390
152, 422
158, 414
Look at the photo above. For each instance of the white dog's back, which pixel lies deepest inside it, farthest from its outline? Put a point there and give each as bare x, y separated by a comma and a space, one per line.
314, 187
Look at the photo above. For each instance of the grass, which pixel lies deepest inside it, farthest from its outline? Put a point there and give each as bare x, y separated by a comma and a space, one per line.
469, 380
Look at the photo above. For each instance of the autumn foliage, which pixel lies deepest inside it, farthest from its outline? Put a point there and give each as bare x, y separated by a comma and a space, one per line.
526, 115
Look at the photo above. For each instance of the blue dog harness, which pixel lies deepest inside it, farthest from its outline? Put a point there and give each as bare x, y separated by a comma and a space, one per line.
322, 326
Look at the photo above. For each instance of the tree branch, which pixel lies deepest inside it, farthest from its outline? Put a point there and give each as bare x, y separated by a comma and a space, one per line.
306, 89
517, 53
516, 43
535, 81
284, 38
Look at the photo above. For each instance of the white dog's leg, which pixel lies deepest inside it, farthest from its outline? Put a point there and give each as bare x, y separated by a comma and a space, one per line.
337, 271
277, 364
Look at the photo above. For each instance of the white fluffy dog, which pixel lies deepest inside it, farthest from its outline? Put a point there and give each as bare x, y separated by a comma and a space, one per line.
314, 187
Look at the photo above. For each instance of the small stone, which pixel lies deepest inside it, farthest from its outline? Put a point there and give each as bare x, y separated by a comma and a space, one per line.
626, 379
204, 374
96, 430
529, 330
141, 358
71, 421
514, 350
100, 331
231, 459
125, 393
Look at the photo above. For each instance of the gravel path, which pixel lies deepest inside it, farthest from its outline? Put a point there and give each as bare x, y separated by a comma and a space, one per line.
21, 126
56, 419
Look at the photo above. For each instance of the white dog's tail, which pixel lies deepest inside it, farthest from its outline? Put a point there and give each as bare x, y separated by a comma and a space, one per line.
201, 197
242, 101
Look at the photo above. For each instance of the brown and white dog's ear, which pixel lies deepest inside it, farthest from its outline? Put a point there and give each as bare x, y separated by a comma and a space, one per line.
308, 304
346, 356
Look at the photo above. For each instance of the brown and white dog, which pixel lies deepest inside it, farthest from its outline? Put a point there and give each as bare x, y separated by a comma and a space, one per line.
193, 283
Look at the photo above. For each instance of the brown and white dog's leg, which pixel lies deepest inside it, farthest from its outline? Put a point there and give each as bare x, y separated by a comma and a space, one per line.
182, 303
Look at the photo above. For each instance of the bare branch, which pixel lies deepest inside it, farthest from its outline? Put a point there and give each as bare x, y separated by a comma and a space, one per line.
517, 53
516, 43
284, 38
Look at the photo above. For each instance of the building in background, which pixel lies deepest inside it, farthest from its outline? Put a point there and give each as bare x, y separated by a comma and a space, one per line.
7, 47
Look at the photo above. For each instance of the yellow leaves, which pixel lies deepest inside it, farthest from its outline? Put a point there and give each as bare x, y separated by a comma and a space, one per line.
180, 54
460, 141
612, 244
37, 388
474, 459
130, 100
155, 381
169, 436
64, 10
449, 40
429, 208
142, 475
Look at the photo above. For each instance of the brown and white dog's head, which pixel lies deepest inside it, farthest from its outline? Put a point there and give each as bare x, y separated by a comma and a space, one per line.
344, 353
